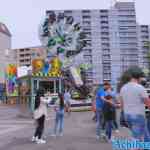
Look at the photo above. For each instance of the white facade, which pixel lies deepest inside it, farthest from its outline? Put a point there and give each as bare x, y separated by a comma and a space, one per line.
6, 57
112, 40
144, 45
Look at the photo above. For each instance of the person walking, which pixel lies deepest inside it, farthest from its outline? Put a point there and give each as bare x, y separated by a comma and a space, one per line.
108, 111
59, 120
109, 91
133, 98
40, 114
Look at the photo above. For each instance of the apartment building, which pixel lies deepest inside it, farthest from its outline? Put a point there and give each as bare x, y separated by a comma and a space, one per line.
26, 55
5, 44
112, 40
144, 45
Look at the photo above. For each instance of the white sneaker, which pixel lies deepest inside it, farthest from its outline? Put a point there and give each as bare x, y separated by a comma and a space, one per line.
117, 131
97, 137
61, 134
53, 135
40, 141
112, 139
34, 139
103, 134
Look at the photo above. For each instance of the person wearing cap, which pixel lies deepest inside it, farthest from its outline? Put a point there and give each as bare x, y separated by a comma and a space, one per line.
133, 98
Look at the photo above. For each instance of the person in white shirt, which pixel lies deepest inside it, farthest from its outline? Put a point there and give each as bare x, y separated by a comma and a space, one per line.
133, 99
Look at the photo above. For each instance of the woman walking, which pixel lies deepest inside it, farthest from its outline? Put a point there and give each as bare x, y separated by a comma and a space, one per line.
59, 120
40, 114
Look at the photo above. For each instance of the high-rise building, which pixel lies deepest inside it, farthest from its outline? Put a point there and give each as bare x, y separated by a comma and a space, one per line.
124, 40
112, 40
144, 45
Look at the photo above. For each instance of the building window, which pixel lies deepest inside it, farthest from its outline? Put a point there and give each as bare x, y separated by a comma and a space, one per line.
104, 33
86, 11
86, 17
104, 22
21, 60
21, 55
27, 54
104, 11
21, 50
68, 11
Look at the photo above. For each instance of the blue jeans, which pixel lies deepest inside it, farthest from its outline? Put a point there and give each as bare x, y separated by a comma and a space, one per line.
59, 122
99, 117
137, 124
148, 125
109, 126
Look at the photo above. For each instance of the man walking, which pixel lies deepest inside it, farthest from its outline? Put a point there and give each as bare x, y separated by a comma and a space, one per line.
133, 98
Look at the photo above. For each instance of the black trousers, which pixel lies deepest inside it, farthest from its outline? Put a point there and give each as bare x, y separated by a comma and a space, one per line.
40, 127
114, 120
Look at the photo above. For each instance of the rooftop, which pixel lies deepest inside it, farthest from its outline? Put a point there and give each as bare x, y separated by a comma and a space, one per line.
4, 29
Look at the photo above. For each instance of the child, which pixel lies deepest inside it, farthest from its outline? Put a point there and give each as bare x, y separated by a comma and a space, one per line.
108, 110
59, 120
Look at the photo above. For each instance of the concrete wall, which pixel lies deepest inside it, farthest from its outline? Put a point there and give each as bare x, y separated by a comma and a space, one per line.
5, 57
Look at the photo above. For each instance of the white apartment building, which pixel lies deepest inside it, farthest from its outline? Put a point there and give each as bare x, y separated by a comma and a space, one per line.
112, 40
144, 45
26, 55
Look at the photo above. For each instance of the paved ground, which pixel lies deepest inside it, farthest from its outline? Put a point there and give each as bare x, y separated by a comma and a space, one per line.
15, 133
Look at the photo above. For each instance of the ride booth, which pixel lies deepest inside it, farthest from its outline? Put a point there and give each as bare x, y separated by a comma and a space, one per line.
28, 86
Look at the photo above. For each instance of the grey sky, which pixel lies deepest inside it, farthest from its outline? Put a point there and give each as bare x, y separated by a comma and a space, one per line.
23, 16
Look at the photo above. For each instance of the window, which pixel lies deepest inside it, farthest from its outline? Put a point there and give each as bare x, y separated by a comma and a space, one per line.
105, 38
86, 22
21, 50
105, 44
21, 55
105, 33
103, 22
68, 11
21, 60
104, 27
86, 11
104, 11
86, 17
27, 54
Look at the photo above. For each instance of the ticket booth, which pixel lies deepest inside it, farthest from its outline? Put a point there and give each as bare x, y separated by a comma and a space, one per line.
28, 86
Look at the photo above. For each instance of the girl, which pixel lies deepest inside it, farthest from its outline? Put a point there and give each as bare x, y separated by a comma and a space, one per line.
108, 115
39, 115
59, 120
108, 111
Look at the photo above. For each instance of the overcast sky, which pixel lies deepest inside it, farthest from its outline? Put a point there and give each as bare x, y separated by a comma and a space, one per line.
22, 17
